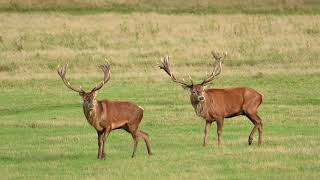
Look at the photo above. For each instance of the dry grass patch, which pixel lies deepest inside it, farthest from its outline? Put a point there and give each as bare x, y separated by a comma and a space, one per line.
34, 44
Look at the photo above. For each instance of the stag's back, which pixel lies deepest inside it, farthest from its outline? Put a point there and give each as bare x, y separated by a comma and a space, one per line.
231, 102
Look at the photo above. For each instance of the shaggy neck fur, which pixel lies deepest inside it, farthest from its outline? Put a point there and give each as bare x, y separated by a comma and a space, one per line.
89, 110
199, 107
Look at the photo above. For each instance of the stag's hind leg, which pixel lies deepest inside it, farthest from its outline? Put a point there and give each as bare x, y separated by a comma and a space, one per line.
146, 139
250, 139
135, 145
136, 137
251, 111
260, 129
133, 130
219, 129
255, 119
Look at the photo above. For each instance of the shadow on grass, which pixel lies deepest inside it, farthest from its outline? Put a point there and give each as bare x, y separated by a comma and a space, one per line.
40, 157
37, 108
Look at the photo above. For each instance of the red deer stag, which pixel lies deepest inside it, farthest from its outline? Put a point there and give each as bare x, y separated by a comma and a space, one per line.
217, 104
106, 115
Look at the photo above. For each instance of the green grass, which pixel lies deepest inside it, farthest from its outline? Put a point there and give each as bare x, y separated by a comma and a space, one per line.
44, 134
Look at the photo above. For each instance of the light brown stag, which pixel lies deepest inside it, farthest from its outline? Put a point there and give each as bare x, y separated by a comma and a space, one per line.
217, 104
106, 115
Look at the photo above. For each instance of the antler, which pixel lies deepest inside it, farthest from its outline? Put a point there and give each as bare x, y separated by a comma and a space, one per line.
216, 67
166, 67
106, 70
62, 73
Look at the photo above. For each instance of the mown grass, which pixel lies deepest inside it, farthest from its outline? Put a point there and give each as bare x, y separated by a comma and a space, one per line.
44, 134
44, 129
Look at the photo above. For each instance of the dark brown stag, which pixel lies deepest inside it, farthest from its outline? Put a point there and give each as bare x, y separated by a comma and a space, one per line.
216, 104
106, 115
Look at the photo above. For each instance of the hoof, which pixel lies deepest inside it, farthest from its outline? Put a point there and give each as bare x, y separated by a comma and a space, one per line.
250, 140
204, 145
102, 158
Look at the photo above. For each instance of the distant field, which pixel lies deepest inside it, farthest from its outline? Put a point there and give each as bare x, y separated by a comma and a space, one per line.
166, 6
258, 45
44, 134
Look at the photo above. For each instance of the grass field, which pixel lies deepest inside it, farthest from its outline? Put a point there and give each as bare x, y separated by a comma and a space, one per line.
44, 134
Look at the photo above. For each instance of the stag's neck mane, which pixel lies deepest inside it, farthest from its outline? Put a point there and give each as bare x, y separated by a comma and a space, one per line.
201, 108
90, 110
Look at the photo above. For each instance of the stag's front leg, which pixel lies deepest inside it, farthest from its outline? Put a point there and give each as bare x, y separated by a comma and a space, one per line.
219, 130
102, 136
99, 144
206, 133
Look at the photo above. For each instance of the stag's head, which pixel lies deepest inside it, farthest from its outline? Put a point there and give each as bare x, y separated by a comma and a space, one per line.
197, 90
197, 93
88, 97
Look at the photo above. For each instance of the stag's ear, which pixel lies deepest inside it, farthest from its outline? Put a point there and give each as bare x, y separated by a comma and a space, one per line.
81, 94
188, 88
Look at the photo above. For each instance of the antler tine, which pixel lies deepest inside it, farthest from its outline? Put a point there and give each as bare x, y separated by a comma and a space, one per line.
166, 67
217, 67
190, 79
106, 71
215, 55
62, 73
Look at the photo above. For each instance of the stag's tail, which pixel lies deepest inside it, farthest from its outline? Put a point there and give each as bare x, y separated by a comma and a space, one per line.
262, 98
